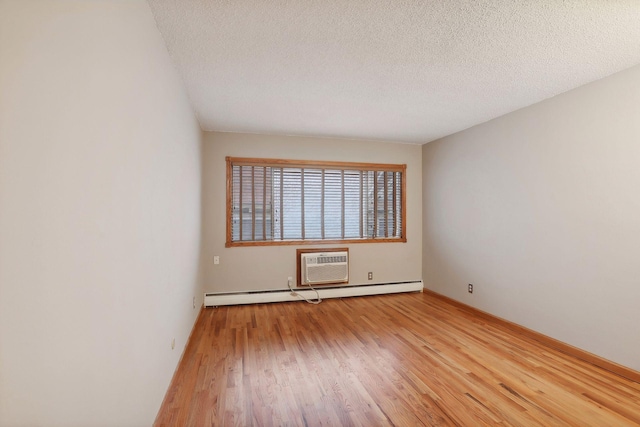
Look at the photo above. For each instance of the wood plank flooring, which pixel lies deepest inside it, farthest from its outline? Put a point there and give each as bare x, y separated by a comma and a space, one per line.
391, 360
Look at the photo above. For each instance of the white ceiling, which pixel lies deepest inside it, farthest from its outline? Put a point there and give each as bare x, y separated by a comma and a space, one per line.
397, 70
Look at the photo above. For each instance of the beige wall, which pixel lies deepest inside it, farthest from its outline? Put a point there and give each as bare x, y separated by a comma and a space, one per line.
261, 268
99, 214
540, 210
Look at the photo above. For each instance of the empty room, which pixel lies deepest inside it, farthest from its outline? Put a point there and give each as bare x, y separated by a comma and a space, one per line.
307, 213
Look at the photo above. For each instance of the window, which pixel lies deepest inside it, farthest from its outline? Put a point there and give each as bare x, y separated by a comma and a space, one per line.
276, 202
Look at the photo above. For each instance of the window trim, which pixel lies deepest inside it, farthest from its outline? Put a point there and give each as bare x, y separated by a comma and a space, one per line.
251, 161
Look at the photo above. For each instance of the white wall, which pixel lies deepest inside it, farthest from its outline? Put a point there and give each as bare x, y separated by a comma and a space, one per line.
267, 267
99, 214
540, 210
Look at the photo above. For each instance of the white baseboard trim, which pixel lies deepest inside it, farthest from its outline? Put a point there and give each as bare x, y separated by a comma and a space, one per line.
257, 297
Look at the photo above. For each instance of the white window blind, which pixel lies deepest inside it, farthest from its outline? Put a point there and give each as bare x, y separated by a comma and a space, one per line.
281, 201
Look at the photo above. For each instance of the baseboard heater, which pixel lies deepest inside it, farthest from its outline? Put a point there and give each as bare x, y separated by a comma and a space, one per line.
258, 297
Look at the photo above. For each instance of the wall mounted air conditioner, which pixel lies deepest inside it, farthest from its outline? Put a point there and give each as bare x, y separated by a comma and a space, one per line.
324, 267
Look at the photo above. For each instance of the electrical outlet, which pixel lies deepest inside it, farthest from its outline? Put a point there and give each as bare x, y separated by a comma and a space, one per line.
370, 275
194, 302
173, 344
470, 288
216, 260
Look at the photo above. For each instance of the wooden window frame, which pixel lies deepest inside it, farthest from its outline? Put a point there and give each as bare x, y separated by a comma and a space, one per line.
283, 163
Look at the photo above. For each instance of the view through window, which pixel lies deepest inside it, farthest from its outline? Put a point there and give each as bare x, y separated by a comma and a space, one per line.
275, 201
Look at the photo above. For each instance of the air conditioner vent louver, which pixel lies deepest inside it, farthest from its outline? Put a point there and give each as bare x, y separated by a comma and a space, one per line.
331, 259
318, 268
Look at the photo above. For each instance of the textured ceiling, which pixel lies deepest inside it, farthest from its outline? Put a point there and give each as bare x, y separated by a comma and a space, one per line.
397, 70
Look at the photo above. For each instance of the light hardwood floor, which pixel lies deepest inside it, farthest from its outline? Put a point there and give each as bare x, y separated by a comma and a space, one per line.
403, 360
